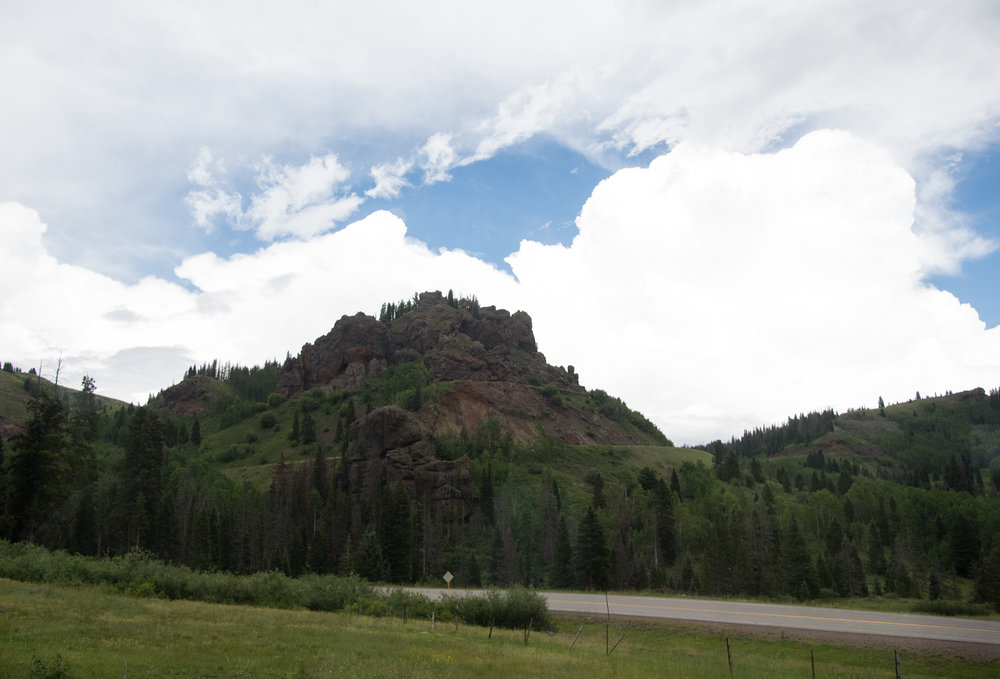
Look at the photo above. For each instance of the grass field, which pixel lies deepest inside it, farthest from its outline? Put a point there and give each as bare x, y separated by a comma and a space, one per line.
49, 631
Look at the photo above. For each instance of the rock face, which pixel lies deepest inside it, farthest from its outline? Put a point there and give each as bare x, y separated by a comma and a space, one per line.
194, 396
489, 355
391, 445
491, 345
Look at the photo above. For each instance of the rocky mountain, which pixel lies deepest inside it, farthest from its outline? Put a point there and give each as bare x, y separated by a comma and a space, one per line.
453, 365
489, 359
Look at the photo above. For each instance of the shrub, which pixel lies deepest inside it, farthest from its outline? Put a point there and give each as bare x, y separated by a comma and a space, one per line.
514, 608
951, 607
54, 669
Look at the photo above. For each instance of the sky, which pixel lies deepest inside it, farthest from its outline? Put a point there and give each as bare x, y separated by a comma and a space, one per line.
724, 213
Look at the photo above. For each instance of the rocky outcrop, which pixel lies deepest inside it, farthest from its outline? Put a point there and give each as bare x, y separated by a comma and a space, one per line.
193, 396
489, 344
520, 409
355, 348
389, 446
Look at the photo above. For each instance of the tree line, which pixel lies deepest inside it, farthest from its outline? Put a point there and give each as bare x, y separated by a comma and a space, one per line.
96, 482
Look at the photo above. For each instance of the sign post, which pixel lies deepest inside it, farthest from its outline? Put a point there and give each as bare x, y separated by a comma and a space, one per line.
448, 577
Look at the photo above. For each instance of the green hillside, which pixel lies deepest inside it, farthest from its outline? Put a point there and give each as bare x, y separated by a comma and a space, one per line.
363, 455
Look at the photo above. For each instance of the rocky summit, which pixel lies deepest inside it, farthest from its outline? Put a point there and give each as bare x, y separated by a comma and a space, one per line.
489, 358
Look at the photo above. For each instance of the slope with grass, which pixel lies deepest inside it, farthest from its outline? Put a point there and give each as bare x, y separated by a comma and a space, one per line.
83, 632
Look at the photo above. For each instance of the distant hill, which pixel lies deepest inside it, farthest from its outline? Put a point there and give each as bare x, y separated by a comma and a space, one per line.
935, 442
17, 388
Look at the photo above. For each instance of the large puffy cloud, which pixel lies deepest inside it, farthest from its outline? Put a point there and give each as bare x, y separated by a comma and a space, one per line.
713, 290
136, 339
111, 101
722, 291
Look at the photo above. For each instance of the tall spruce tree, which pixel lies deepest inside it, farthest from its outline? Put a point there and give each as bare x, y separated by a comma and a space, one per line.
37, 467
593, 561
562, 567
797, 568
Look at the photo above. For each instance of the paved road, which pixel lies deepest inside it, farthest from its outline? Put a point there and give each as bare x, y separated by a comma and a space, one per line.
805, 618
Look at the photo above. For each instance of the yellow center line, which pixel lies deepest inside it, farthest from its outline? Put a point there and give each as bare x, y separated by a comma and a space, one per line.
781, 615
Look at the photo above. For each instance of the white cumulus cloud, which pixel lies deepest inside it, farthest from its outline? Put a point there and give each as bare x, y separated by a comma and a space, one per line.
714, 291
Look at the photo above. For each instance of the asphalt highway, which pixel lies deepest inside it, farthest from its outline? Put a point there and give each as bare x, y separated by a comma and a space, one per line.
802, 618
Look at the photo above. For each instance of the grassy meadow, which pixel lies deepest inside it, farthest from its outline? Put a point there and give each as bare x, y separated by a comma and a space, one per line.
55, 631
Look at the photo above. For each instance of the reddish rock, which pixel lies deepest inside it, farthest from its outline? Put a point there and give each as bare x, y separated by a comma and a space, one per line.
391, 445
455, 344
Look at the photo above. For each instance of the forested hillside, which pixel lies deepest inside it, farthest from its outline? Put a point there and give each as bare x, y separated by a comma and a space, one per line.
437, 438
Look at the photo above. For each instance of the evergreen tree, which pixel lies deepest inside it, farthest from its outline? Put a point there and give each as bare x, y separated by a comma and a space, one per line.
799, 574
664, 522
934, 585
851, 575
595, 479
593, 561
562, 572
675, 482
876, 557
964, 545
141, 482
37, 467
988, 582
320, 480
308, 431
396, 532
486, 495
196, 431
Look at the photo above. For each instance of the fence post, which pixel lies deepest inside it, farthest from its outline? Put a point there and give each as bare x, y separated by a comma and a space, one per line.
607, 626
895, 658
812, 662
729, 656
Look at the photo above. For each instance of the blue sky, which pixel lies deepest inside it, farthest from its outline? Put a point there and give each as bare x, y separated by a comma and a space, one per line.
977, 197
722, 212
532, 191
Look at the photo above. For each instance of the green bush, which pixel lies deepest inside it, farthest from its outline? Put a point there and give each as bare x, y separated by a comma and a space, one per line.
54, 669
951, 607
139, 574
515, 608
274, 400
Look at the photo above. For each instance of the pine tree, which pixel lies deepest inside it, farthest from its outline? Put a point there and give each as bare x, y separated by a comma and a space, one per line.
308, 431
799, 575
396, 533
37, 467
593, 561
988, 582
675, 482
664, 522
964, 545
486, 495
295, 433
562, 572
196, 432
142, 482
